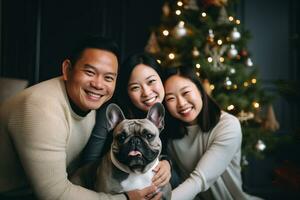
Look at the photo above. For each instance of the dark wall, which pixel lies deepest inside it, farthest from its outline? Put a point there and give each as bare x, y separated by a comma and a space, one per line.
275, 46
37, 34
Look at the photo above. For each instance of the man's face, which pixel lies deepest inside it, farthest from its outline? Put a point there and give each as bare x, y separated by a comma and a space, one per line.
91, 81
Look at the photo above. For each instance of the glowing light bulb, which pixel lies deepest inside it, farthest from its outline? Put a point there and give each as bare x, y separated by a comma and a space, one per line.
171, 56
179, 3
198, 66
165, 32
231, 107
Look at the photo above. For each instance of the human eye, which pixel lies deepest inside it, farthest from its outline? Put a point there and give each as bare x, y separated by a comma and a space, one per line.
186, 92
89, 72
169, 98
151, 81
134, 88
109, 78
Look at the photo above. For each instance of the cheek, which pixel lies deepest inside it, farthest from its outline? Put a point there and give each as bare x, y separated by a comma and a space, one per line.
171, 106
134, 97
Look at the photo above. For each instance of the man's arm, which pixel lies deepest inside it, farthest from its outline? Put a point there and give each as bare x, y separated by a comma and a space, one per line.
40, 138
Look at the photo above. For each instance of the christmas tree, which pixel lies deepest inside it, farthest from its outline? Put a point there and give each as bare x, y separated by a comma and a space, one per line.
208, 36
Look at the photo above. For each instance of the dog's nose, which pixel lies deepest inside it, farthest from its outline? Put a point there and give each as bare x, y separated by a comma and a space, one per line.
135, 141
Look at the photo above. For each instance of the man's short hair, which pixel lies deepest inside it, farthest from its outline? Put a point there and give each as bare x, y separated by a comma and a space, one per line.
97, 42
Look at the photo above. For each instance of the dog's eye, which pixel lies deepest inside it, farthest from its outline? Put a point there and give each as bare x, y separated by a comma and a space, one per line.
121, 138
149, 136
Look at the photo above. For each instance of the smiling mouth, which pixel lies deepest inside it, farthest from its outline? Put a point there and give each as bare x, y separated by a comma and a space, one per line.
185, 111
150, 101
94, 96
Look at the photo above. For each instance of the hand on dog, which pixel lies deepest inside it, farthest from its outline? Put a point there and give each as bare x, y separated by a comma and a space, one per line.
145, 194
162, 173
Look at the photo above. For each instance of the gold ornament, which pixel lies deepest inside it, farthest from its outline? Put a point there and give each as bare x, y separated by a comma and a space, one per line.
214, 2
270, 122
152, 45
191, 5
166, 9
206, 86
245, 116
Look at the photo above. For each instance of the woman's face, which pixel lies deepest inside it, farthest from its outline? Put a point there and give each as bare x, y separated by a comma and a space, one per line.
183, 99
145, 87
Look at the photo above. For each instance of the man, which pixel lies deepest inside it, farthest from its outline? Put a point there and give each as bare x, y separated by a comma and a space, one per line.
44, 128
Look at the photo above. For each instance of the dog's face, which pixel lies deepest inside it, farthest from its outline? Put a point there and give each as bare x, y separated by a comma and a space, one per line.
136, 143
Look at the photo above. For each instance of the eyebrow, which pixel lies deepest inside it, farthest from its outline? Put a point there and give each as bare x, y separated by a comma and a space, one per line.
150, 76
183, 88
94, 68
146, 79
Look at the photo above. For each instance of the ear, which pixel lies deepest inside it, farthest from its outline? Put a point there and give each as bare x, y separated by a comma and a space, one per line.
114, 115
66, 67
156, 115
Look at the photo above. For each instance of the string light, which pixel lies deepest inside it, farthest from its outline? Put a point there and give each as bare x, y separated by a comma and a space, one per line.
255, 104
209, 59
179, 3
235, 86
237, 21
219, 42
253, 80
171, 56
221, 59
159, 61
198, 66
197, 73
212, 87
246, 84
231, 107
203, 14
230, 18
165, 32
178, 12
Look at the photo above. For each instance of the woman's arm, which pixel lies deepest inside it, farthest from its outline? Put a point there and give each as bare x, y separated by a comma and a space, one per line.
99, 140
227, 137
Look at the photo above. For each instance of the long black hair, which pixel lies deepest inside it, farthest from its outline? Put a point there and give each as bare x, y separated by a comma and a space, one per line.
209, 115
122, 97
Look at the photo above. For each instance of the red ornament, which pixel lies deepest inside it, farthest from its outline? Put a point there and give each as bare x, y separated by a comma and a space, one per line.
244, 53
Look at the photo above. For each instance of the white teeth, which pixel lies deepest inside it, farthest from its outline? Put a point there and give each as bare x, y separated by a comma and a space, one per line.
94, 95
150, 100
186, 110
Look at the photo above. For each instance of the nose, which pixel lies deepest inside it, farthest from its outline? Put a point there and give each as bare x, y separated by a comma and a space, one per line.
98, 82
146, 91
181, 101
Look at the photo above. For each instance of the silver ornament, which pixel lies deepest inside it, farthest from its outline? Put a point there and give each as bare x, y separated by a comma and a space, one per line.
235, 35
232, 53
249, 62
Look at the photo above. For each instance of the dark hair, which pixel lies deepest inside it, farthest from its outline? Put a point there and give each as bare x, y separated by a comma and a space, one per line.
209, 115
94, 41
127, 67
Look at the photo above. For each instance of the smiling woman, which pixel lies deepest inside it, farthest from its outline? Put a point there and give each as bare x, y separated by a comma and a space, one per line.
211, 137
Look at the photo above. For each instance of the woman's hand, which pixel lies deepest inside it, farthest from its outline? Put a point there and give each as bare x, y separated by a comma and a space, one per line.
163, 173
145, 194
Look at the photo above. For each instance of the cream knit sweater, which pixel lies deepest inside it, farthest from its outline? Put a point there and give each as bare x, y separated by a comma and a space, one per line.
40, 142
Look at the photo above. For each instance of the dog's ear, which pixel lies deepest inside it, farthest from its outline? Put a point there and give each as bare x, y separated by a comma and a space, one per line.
114, 115
156, 115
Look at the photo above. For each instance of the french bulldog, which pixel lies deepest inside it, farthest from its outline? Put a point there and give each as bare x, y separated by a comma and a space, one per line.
133, 155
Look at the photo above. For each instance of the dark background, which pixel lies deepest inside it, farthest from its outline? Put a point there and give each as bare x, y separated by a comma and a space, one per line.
35, 35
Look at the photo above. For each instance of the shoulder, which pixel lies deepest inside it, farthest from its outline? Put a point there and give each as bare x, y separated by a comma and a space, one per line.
228, 125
